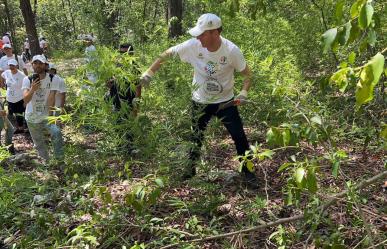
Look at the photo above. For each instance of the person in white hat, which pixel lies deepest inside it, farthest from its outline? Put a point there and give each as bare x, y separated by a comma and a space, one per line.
9, 55
12, 80
90, 53
39, 95
214, 59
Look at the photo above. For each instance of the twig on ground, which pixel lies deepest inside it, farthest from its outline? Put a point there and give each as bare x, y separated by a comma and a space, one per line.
332, 200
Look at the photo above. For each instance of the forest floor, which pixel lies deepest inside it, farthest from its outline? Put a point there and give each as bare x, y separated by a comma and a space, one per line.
216, 200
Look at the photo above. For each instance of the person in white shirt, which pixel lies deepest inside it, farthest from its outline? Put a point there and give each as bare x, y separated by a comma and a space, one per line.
214, 59
9, 55
60, 96
7, 38
27, 49
12, 80
39, 95
90, 53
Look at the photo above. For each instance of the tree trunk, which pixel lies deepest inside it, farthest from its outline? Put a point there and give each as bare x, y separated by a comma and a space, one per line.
10, 26
29, 20
175, 13
72, 18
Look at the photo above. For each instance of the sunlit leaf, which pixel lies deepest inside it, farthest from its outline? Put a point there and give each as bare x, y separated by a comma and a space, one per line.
300, 176
369, 77
328, 38
159, 182
383, 133
355, 8
344, 33
352, 58
311, 181
316, 119
371, 37
340, 78
335, 168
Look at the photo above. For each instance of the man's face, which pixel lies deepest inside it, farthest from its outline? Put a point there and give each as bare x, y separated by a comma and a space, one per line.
208, 37
8, 51
39, 67
13, 68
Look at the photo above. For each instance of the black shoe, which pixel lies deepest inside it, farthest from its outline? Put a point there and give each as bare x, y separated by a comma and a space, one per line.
250, 179
189, 172
11, 149
18, 131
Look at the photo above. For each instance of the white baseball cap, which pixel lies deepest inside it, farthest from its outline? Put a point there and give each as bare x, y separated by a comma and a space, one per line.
205, 22
40, 58
12, 62
7, 45
51, 66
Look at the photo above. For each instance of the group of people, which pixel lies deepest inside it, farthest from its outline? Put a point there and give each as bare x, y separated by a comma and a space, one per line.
30, 100
214, 59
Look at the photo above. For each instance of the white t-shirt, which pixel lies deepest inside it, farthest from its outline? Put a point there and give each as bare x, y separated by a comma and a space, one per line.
6, 40
89, 52
4, 62
213, 71
14, 84
37, 108
42, 44
62, 89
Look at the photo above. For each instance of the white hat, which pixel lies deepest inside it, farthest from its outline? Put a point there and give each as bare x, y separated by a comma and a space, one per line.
89, 38
7, 45
40, 58
51, 66
12, 62
205, 22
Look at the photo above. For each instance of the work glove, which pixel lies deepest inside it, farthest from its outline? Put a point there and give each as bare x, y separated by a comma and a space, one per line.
136, 102
241, 98
146, 78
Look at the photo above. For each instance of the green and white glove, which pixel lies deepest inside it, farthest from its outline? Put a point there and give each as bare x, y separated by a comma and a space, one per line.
146, 78
136, 102
242, 97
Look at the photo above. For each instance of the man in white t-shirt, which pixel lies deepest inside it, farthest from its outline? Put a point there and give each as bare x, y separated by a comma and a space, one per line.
39, 95
12, 80
90, 53
60, 96
214, 59
9, 55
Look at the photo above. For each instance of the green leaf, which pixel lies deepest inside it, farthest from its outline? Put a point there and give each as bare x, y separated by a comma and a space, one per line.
328, 38
285, 166
340, 78
371, 37
317, 120
300, 176
366, 13
355, 32
383, 133
267, 154
250, 166
369, 77
159, 182
311, 181
339, 10
346, 32
355, 8
352, 58
335, 168
286, 137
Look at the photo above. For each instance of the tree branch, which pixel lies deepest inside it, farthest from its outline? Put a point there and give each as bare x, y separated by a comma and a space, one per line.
332, 200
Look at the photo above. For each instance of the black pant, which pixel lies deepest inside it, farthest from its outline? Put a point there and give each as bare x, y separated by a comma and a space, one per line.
201, 116
18, 109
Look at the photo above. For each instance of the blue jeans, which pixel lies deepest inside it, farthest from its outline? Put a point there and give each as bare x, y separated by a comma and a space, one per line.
38, 133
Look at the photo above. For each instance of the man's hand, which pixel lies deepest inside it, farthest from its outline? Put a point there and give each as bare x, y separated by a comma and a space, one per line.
146, 78
242, 97
35, 85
